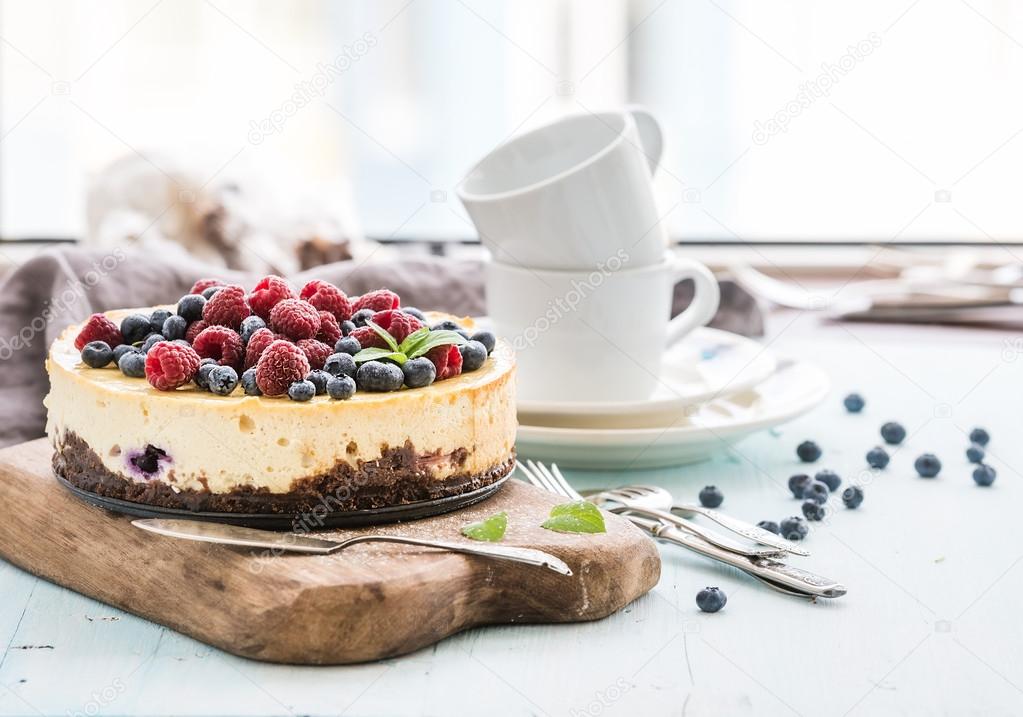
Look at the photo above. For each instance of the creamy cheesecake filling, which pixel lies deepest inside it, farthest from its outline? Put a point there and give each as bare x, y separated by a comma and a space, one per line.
193, 441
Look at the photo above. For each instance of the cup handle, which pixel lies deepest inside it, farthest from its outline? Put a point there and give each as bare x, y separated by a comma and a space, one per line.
650, 134
706, 297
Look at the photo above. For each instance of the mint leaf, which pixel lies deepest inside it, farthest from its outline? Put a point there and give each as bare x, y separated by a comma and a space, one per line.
414, 338
435, 339
384, 334
490, 529
579, 516
378, 354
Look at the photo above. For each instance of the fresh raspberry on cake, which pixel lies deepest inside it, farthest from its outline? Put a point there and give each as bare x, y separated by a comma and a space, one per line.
270, 291
316, 351
100, 328
397, 323
169, 365
227, 307
447, 360
330, 329
258, 342
203, 284
221, 344
296, 319
281, 364
379, 300
326, 297
194, 329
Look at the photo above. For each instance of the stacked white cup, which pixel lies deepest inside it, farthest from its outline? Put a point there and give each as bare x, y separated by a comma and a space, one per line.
581, 279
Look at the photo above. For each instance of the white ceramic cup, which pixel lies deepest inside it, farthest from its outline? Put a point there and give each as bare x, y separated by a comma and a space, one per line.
570, 194
584, 336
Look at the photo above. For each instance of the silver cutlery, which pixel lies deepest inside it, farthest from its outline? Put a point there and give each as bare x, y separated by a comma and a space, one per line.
291, 542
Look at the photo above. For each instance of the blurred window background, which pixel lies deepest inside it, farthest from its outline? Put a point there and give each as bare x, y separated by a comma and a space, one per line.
785, 121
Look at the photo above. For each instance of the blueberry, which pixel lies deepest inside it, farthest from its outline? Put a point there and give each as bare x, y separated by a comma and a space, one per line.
975, 453
877, 457
208, 293
852, 496
979, 435
190, 307
135, 328
222, 380
151, 341
463, 333
121, 350
419, 372
893, 433
174, 327
202, 376
984, 475
808, 451
413, 311
301, 391
711, 497
348, 345
156, 320
829, 478
97, 354
248, 382
360, 316
341, 387
379, 376
486, 338
813, 510
817, 492
854, 403
133, 364
927, 465
347, 327
794, 528
711, 599
798, 483
446, 325
250, 325
319, 379
770, 526
340, 364
474, 354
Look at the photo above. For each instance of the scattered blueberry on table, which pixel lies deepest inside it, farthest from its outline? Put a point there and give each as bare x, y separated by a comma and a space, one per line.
813, 510
794, 528
808, 451
770, 526
711, 599
817, 492
852, 496
854, 403
798, 483
893, 433
984, 475
980, 436
877, 457
829, 478
711, 497
927, 465
975, 453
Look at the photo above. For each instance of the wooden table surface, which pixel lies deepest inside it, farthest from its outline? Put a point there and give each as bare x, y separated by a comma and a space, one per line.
930, 625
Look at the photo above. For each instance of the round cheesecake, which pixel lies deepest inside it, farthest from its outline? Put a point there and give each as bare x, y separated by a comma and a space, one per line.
187, 448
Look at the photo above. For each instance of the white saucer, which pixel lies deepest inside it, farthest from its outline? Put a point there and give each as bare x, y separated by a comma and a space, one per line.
795, 388
705, 365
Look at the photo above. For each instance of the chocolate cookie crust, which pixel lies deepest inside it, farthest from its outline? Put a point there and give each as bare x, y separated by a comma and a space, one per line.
400, 476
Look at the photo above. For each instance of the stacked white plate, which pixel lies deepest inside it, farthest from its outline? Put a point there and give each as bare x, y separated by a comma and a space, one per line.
715, 388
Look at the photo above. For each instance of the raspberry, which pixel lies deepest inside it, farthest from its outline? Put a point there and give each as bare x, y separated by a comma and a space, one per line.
227, 307
281, 364
447, 360
203, 284
221, 344
100, 328
296, 319
379, 300
330, 329
326, 297
267, 293
258, 342
169, 365
316, 351
368, 338
194, 329
397, 323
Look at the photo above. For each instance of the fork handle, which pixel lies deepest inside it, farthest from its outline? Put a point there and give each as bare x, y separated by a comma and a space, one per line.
710, 536
746, 530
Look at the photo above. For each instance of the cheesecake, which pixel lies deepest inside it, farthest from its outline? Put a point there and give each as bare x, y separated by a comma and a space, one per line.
183, 436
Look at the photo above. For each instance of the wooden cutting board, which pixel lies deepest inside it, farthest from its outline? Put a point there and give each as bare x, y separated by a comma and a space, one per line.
369, 602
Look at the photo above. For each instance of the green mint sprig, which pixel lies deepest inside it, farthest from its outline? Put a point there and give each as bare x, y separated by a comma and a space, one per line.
416, 344
490, 529
579, 516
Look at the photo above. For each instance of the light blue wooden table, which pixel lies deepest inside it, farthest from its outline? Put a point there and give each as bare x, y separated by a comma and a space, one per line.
931, 624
